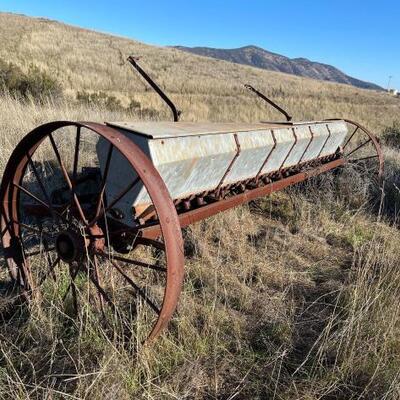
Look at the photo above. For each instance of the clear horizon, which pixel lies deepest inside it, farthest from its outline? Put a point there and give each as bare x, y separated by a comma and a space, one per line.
361, 39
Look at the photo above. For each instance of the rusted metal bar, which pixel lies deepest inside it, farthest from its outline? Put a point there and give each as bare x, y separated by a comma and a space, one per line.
293, 145
231, 163
351, 137
359, 147
175, 112
116, 200
308, 145
268, 156
269, 101
190, 217
67, 179
363, 158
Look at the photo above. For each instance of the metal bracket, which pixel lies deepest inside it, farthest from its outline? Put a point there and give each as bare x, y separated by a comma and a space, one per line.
176, 113
268, 156
219, 187
326, 141
269, 101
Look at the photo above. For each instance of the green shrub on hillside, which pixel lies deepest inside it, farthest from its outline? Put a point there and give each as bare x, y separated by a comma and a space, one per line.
100, 99
35, 82
112, 103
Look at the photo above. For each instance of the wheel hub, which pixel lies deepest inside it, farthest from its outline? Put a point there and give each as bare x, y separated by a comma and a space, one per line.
70, 246
73, 246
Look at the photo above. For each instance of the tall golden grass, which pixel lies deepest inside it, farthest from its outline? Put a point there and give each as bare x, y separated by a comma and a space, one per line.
204, 88
291, 297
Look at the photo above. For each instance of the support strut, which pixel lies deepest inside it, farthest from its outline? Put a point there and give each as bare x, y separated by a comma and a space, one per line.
176, 113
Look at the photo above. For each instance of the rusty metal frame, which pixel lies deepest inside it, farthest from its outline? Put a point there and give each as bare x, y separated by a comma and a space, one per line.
372, 138
192, 216
171, 215
169, 224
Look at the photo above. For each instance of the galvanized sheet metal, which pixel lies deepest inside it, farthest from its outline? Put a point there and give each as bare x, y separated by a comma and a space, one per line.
120, 175
254, 148
320, 135
284, 143
167, 129
199, 162
338, 131
194, 158
302, 137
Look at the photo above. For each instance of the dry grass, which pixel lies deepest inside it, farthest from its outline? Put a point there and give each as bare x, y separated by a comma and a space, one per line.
291, 297
205, 89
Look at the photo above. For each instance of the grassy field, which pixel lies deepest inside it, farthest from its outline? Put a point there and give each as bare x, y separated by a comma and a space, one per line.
205, 89
291, 297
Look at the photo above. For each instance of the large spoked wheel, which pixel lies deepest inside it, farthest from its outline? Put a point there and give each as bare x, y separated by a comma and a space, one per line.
362, 150
59, 232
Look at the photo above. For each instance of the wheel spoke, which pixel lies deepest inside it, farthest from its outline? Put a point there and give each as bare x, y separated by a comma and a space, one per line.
67, 179
136, 262
358, 147
138, 289
48, 255
351, 137
151, 243
33, 230
363, 159
104, 180
41, 202
96, 277
3, 232
116, 200
49, 271
75, 167
74, 294
73, 274
43, 189
76, 156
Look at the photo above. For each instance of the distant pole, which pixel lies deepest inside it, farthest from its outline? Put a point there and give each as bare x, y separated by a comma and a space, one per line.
390, 80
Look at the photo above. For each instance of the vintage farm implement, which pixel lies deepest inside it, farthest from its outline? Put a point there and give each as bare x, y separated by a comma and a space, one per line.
101, 206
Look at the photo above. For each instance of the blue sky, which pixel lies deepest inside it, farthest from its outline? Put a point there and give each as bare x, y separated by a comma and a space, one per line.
362, 38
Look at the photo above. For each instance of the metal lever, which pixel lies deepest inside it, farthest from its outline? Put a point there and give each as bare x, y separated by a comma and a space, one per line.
269, 101
176, 113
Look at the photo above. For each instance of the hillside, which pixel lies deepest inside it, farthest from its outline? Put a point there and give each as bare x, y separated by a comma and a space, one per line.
293, 296
204, 88
260, 58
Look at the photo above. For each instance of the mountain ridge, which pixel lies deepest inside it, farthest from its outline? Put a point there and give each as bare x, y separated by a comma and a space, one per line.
258, 57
